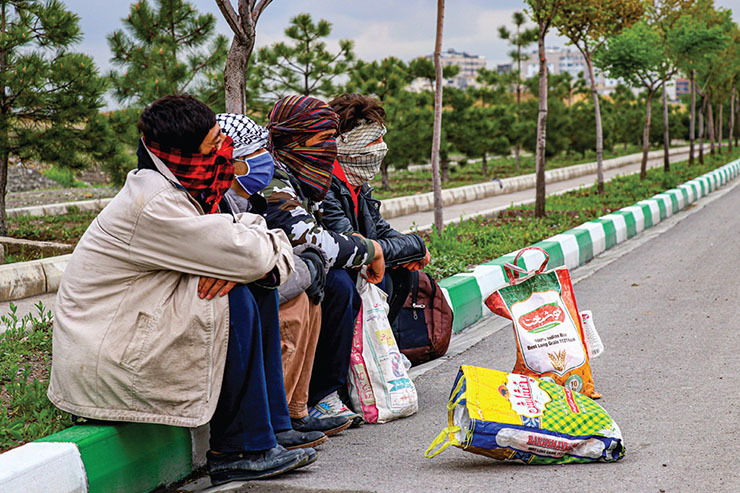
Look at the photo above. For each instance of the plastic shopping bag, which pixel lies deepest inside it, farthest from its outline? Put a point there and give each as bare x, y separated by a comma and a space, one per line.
379, 384
549, 333
513, 417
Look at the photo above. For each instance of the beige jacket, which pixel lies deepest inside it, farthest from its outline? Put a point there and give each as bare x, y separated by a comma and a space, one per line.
132, 339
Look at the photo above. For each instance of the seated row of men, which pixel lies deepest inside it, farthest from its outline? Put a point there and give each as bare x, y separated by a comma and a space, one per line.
218, 286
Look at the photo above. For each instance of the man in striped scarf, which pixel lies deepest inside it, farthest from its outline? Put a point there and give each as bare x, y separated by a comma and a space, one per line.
302, 132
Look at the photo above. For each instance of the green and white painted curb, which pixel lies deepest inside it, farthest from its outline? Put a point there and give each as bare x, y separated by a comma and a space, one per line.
467, 292
133, 457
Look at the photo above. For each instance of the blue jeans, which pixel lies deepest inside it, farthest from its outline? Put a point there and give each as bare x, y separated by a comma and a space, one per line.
252, 405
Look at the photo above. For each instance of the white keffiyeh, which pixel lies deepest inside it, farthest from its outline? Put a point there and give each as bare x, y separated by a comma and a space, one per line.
359, 160
248, 136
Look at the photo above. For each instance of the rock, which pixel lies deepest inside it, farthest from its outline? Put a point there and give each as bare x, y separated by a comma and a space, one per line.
21, 179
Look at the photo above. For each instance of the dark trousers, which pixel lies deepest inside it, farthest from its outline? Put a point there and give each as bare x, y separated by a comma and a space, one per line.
339, 311
252, 406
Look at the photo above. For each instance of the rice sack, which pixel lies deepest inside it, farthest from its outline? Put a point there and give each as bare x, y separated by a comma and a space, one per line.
550, 341
513, 417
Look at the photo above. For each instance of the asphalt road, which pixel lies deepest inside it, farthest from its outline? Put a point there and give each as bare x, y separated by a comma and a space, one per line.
666, 306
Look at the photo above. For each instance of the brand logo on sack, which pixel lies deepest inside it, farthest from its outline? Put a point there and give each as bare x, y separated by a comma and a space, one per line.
526, 397
542, 318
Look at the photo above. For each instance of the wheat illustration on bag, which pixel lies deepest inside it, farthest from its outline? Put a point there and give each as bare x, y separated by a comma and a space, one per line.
558, 360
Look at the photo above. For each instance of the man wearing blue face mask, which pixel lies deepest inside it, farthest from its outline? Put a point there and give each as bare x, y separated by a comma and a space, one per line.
300, 295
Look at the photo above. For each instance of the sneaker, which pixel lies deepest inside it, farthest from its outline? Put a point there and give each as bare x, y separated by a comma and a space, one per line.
330, 425
295, 438
332, 405
243, 466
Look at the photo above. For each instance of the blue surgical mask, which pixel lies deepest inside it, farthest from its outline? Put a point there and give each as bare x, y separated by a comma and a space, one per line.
260, 169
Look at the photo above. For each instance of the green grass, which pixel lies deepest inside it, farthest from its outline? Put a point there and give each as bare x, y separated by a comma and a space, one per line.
64, 177
469, 243
67, 228
404, 182
25, 360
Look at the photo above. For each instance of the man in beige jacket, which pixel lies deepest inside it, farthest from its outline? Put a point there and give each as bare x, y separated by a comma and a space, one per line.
143, 329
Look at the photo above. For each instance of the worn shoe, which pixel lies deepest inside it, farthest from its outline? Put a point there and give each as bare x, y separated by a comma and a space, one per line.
330, 425
293, 439
253, 465
332, 405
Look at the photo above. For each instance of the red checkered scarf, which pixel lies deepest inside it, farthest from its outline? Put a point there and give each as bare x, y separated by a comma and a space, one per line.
206, 176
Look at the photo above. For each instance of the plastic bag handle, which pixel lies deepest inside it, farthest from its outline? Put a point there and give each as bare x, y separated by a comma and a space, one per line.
440, 442
513, 271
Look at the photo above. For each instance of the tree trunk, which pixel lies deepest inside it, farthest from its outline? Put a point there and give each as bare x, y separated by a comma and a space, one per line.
719, 128
5, 113
666, 137
384, 175
484, 165
599, 130
731, 125
692, 120
646, 134
539, 205
517, 159
701, 130
235, 74
444, 165
437, 131
710, 124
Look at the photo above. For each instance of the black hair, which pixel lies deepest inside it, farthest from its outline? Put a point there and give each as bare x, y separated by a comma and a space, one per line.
354, 108
179, 121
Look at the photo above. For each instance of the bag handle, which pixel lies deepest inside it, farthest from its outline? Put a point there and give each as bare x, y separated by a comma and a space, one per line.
513, 271
439, 443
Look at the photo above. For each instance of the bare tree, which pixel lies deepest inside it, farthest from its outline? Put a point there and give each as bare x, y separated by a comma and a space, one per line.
437, 133
243, 22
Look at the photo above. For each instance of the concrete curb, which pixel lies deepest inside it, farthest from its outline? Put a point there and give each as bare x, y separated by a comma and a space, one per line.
24, 279
402, 206
59, 209
133, 457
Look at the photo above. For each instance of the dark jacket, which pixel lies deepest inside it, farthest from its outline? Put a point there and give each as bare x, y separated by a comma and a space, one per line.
339, 215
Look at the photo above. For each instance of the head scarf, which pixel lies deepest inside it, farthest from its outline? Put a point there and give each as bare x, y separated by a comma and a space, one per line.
249, 137
293, 121
360, 161
206, 176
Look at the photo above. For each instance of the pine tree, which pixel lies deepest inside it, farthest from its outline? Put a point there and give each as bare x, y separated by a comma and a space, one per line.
164, 48
306, 67
49, 96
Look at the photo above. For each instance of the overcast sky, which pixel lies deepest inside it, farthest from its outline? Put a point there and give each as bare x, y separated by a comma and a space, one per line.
379, 28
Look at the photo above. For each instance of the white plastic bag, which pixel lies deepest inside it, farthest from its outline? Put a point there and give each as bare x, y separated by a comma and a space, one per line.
593, 341
379, 384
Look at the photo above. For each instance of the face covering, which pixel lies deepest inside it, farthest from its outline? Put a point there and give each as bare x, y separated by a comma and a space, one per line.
260, 169
360, 161
292, 122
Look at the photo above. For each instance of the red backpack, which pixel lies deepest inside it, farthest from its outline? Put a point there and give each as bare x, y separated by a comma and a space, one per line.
424, 325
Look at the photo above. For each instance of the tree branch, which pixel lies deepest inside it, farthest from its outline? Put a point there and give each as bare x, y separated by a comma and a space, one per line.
232, 19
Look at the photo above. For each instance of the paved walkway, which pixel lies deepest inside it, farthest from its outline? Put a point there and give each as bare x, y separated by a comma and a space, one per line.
424, 220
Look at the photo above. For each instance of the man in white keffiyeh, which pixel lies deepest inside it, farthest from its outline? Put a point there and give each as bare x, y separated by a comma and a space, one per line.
361, 151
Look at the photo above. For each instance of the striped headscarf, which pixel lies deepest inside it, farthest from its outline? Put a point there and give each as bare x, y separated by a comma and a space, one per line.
293, 121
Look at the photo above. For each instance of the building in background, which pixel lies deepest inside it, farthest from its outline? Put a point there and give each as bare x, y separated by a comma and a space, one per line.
570, 60
469, 67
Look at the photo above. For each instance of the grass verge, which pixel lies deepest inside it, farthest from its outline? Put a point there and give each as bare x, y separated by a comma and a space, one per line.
25, 361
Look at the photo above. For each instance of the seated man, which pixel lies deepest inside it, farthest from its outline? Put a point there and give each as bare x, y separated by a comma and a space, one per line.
143, 331
302, 131
349, 205
300, 296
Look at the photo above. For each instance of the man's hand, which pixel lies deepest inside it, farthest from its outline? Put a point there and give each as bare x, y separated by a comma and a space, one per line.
376, 269
208, 287
418, 264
